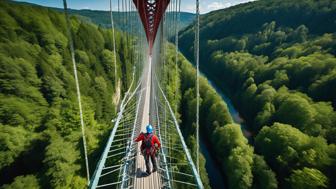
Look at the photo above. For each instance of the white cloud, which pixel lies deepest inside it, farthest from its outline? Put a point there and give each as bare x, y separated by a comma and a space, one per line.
189, 8
206, 6
214, 6
211, 5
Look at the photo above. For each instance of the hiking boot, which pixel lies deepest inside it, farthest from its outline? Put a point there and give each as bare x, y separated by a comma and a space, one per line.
154, 170
148, 172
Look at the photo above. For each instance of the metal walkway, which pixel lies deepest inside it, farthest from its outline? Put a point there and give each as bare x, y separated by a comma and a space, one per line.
142, 180
121, 164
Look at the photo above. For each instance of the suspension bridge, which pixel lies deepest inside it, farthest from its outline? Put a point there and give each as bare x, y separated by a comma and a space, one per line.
121, 164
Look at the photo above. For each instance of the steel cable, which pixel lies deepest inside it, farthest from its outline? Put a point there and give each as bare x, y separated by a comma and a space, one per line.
72, 51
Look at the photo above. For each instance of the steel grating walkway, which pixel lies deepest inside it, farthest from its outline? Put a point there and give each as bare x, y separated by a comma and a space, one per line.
121, 164
142, 181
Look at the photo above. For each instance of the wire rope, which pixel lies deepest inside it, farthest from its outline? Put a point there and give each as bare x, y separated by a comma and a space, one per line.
197, 25
72, 51
114, 48
177, 20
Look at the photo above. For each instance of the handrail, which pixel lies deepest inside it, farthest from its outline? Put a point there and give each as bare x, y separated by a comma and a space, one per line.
132, 142
101, 163
162, 151
197, 177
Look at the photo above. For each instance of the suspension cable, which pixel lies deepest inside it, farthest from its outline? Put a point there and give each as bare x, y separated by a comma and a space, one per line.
126, 21
132, 33
169, 19
139, 41
197, 25
164, 70
168, 34
114, 49
123, 15
72, 51
177, 20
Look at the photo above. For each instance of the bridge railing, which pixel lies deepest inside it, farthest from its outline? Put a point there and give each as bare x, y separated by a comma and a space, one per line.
176, 164
109, 171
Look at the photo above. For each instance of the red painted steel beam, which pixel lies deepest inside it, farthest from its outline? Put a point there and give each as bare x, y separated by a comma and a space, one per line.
151, 12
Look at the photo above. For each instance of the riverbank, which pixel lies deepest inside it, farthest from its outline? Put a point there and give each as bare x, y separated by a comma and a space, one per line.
237, 118
216, 175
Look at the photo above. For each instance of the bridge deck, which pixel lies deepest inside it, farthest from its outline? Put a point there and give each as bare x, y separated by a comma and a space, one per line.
142, 181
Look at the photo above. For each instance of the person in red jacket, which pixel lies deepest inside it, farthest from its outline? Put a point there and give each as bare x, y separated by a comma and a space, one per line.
149, 147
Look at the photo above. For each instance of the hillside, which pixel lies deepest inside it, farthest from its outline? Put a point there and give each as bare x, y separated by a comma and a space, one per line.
102, 18
40, 133
276, 60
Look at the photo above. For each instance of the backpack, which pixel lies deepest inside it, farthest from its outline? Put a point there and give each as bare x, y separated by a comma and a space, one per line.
148, 142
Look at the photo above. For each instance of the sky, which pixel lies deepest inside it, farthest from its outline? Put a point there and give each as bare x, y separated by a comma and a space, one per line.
186, 5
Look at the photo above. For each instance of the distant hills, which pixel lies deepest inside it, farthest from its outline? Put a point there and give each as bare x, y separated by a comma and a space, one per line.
102, 18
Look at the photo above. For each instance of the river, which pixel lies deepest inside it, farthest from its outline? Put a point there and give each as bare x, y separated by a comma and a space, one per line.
233, 112
216, 177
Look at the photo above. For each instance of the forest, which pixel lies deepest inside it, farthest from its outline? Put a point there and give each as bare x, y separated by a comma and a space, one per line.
242, 166
276, 61
40, 134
